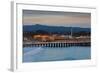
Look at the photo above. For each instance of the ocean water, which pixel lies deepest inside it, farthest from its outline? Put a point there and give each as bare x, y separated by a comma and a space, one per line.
39, 54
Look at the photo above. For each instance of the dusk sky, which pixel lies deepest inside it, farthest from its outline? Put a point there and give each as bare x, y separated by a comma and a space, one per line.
68, 19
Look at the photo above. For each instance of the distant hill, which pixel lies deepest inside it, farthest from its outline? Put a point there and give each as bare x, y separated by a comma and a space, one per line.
53, 29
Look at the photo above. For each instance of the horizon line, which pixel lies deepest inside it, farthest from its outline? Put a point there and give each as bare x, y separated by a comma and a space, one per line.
54, 25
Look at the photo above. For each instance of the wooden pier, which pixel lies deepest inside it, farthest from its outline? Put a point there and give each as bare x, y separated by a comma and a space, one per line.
66, 43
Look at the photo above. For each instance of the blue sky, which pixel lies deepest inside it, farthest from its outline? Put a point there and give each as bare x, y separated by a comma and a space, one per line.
53, 18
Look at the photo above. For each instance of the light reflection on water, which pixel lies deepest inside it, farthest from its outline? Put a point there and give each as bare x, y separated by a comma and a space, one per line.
38, 54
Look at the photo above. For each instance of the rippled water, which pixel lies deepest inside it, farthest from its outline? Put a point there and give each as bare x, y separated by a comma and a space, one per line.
38, 54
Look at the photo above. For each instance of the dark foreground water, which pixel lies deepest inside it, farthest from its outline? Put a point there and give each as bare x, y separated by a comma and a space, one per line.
38, 54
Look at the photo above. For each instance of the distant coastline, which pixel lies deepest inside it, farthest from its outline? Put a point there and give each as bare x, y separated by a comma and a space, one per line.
29, 28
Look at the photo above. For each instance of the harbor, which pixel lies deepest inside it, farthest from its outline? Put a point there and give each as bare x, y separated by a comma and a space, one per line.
61, 43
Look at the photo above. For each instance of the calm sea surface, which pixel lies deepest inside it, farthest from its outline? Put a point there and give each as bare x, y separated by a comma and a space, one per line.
38, 54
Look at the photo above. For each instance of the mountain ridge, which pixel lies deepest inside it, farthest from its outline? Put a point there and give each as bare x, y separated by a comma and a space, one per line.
53, 29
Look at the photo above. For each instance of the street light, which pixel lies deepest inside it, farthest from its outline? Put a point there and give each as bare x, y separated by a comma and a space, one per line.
71, 32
